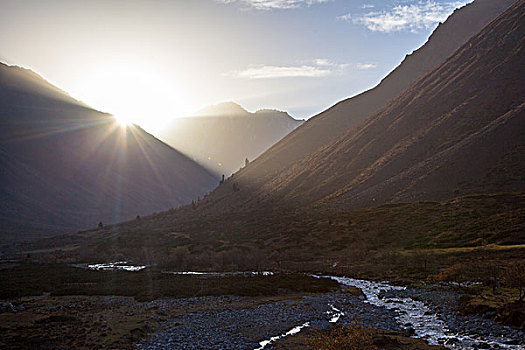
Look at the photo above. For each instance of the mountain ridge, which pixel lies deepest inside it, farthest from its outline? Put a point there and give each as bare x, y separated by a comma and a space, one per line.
470, 94
66, 166
222, 136
344, 115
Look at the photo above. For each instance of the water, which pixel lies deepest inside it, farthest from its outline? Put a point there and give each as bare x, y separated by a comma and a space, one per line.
334, 313
418, 316
292, 331
232, 273
117, 265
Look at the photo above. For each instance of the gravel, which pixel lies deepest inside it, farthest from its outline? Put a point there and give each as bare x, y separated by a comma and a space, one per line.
240, 323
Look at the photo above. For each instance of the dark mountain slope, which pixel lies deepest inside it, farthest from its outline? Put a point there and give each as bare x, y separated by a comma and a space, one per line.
221, 137
334, 122
459, 129
65, 166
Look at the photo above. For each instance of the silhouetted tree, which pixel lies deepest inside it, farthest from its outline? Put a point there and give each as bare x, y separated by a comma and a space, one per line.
138, 217
515, 277
490, 275
246, 162
100, 224
236, 187
222, 181
193, 204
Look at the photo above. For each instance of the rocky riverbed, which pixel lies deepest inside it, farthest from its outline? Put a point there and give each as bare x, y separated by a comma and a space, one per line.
242, 322
249, 327
238, 323
431, 313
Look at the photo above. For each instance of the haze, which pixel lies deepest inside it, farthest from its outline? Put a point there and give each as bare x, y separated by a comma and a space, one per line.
148, 62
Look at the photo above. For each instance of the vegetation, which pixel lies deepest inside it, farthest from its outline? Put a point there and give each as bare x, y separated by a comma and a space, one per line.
470, 239
515, 277
353, 337
148, 284
416, 240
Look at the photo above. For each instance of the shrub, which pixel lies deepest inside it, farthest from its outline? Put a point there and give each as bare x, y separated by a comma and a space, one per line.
515, 277
353, 337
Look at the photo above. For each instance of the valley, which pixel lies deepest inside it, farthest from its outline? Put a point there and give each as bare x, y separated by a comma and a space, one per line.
394, 219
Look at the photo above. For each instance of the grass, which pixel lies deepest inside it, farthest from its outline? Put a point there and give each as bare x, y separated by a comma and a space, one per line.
148, 284
354, 336
483, 248
501, 305
412, 240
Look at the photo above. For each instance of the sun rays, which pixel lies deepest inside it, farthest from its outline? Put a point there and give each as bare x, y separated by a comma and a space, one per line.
135, 93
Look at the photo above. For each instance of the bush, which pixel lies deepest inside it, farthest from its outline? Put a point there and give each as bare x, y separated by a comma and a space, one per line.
515, 277
353, 337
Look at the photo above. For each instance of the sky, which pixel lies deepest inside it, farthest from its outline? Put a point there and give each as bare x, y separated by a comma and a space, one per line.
147, 61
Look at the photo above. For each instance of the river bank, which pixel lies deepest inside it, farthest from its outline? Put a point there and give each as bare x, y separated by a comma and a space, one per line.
429, 314
281, 319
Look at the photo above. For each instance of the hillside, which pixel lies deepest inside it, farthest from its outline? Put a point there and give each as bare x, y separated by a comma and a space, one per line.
222, 136
65, 166
460, 129
465, 134
457, 130
327, 126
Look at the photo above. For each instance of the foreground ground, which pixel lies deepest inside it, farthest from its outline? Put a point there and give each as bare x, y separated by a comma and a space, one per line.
478, 238
77, 322
62, 307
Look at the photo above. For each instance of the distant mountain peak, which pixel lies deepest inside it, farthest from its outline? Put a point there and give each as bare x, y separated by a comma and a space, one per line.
222, 136
269, 110
222, 109
274, 113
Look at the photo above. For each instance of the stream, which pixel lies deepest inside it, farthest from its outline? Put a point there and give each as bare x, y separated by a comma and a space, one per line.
428, 313
422, 321
426, 323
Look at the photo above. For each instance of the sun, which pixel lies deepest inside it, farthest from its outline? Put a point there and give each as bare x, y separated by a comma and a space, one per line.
122, 120
135, 93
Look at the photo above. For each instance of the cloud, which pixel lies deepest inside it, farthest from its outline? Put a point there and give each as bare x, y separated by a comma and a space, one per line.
318, 68
273, 4
268, 72
346, 17
365, 66
323, 62
368, 6
411, 17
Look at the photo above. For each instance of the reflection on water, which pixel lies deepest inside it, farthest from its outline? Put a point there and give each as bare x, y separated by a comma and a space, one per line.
426, 324
231, 273
117, 265
292, 331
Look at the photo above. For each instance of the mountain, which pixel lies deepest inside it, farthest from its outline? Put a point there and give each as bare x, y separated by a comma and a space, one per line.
327, 126
459, 129
65, 166
222, 136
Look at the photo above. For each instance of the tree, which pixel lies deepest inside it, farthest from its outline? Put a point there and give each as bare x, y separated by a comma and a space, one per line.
236, 187
246, 162
100, 224
515, 277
